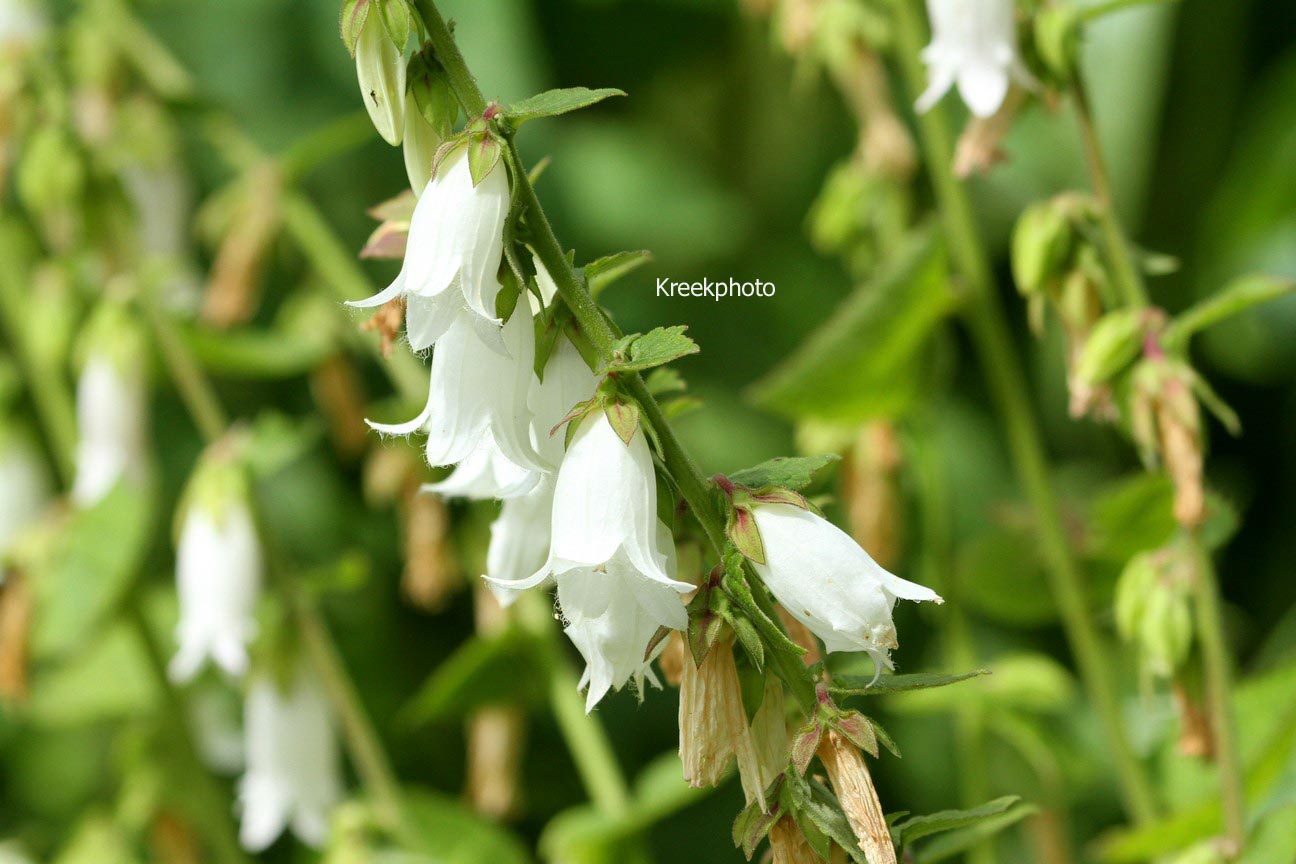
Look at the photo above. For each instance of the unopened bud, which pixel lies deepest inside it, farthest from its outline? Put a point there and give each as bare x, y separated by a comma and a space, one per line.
858, 797
1041, 244
1112, 345
380, 67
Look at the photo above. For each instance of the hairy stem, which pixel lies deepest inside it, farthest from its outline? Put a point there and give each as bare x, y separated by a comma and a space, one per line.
1002, 368
1129, 281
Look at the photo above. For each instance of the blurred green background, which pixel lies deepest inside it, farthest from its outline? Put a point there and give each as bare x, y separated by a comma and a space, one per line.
712, 163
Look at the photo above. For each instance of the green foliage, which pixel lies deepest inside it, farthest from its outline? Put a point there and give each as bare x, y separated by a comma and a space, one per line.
862, 685
551, 103
448, 830
637, 352
483, 671
789, 472
1237, 297
603, 272
865, 361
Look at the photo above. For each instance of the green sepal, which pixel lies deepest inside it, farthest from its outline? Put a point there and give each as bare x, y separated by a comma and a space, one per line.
351, 22
705, 625
744, 535
779, 495
395, 15
661, 634
430, 86
484, 152
753, 824
805, 744
858, 729
624, 417
554, 102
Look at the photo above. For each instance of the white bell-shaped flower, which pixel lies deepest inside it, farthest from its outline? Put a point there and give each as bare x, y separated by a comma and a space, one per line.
973, 47
475, 392
419, 149
452, 258
218, 578
827, 582
486, 474
111, 419
26, 485
568, 381
380, 67
293, 777
611, 612
605, 503
519, 539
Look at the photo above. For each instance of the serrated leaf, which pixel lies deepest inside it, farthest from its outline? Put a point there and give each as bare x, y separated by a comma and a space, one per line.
1234, 298
484, 152
602, 272
865, 361
654, 348
863, 685
554, 102
396, 20
917, 827
789, 472
351, 22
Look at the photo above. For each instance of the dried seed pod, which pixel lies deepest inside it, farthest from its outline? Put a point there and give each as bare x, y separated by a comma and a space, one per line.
853, 784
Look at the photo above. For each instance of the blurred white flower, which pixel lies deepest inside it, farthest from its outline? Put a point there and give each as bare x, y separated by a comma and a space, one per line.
21, 22
380, 67
973, 47
475, 393
611, 612
218, 578
827, 582
293, 777
452, 258
25, 485
111, 418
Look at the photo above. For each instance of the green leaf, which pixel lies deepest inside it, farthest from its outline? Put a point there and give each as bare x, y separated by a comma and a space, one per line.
1233, 299
260, 354
82, 580
448, 830
601, 273
1136, 513
430, 86
789, 472
960, 840
917, 827
859, 685
554, 102
351, 22
108, 679
864, 361
654, 348
504, 669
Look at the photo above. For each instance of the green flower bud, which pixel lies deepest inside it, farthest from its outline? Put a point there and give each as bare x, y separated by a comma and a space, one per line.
1041, 245
1112, 345
1166, 631
1137, 582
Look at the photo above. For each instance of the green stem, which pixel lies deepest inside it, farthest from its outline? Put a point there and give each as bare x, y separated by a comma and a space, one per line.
1119, 255
195, 389
209, 805
1219, 689
590, 749
993, 343
363, 742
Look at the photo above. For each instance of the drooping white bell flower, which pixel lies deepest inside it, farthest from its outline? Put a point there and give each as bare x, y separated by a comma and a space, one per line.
827, 582
475, 392
605, 503
25, 484
111, 418
381, 70
519, 539
293, 777
612, 611
218, 577
486, 474
973, 47
419, 149
452, 258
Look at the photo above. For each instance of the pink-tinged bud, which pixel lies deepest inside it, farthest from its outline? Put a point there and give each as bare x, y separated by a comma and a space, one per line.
853, 785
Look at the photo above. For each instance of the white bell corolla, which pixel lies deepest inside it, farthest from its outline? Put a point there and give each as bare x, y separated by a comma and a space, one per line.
475, 393
973, 48
380, 67
452, 257
293, 777
519, 539
825, 580
568, 381
111, 419
218, 579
